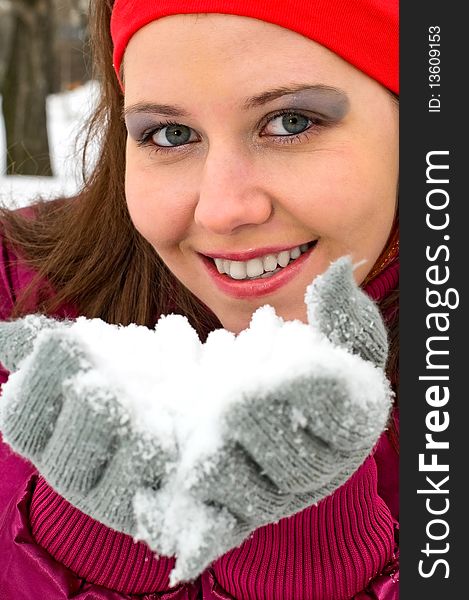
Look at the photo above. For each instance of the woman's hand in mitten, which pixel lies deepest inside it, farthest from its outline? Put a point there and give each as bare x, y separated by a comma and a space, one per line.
308, 423
60, 411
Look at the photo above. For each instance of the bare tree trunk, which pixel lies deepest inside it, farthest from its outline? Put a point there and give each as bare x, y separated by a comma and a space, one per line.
25, 87
7, 23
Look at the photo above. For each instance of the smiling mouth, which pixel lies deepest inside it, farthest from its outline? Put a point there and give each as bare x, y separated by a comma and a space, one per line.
260, 267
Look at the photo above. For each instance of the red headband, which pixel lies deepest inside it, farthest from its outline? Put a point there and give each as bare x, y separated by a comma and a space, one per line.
363, 32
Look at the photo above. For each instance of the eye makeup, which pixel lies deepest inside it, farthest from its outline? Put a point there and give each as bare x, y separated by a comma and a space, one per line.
328, 104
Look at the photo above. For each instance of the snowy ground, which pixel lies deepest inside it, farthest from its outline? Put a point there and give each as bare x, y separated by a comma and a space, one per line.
66, 114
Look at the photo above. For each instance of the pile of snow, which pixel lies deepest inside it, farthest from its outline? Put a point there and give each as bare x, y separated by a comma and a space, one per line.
178, 389
66, 114
173, 384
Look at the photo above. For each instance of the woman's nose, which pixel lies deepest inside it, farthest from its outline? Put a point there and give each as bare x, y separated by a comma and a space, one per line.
231, 193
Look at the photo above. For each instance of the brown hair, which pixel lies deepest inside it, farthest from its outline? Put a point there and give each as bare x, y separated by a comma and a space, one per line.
88, 249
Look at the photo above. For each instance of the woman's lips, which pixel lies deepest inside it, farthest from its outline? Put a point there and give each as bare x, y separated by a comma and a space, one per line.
249, 254
250, 288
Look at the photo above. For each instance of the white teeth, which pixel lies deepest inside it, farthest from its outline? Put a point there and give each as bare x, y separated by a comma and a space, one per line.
283, 258
270, 262
264, 266
220, 265
254, 267
266, 275
295, 252
238, 270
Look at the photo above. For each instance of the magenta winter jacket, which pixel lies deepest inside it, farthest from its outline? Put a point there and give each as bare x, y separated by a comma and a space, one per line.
342, 548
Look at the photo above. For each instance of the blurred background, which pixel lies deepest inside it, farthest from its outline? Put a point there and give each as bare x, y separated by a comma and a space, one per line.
46, 93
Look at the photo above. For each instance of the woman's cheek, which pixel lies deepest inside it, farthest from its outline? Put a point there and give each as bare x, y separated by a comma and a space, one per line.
146, 209
158, 217
140, 209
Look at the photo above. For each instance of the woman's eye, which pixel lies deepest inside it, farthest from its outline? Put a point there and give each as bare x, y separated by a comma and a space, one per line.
287, 124
173, 135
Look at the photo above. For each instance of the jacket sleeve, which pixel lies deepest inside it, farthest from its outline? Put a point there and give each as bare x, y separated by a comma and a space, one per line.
14, 277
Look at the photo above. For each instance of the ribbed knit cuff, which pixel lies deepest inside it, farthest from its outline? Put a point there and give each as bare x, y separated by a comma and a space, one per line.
93, 551
330, 550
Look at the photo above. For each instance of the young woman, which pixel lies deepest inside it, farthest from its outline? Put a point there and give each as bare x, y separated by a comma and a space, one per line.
245, 146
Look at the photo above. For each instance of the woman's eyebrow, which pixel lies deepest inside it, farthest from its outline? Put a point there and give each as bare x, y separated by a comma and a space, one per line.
154, 108
319, 91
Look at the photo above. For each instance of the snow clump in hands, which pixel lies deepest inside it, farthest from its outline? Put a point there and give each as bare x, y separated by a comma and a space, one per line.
234, 424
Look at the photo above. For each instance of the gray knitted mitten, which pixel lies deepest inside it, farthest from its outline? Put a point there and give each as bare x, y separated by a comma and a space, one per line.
78, 437
17, 338
345, 315
284, 446
291, 446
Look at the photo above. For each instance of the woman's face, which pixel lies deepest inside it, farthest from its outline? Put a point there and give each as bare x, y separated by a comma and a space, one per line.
258, 153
